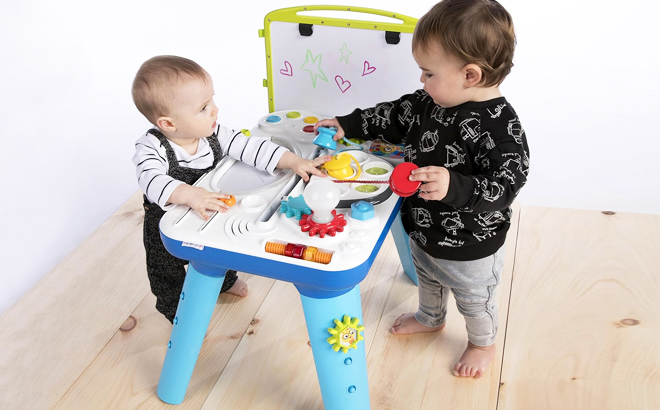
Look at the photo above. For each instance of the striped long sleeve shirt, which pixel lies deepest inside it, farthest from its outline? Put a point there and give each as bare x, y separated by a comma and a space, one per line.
152, 165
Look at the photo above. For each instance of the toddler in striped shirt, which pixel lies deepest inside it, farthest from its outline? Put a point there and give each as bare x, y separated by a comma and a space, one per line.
176, 95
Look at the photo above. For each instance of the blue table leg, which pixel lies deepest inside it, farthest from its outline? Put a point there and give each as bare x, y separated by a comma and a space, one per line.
342, 376
403, 247
198, 299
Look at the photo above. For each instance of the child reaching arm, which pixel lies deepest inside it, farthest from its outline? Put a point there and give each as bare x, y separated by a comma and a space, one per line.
176, 95
201, 200
473, 160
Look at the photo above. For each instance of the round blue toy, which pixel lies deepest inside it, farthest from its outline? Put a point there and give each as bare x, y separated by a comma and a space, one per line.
325, 140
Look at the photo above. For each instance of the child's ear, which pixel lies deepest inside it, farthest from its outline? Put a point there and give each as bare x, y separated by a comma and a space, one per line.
166, 124
471, 75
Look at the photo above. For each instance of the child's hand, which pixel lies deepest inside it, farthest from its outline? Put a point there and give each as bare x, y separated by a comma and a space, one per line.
199, 199
435, 182
332, 122
303, 166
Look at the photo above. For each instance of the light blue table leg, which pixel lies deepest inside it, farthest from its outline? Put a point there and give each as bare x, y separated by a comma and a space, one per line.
403, 247
342, 376
198, 299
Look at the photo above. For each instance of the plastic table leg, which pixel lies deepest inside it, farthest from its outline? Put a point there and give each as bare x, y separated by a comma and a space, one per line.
193, 315
342, 376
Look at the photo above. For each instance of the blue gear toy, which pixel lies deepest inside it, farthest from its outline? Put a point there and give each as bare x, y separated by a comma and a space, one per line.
295, 206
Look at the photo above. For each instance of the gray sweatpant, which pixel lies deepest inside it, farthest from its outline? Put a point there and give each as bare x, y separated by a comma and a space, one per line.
473, 284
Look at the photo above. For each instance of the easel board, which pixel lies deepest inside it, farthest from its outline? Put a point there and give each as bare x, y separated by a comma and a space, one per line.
331, 66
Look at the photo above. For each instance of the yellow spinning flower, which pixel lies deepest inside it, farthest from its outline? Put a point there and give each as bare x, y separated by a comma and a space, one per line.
346, 334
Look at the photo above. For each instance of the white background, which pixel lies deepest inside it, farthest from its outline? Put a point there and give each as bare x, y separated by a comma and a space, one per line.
585, 84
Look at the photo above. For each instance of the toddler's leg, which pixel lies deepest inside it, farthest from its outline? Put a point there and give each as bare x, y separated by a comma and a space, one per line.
477, 305
481, 324
166, 273
166, 283
432, 299
234, 285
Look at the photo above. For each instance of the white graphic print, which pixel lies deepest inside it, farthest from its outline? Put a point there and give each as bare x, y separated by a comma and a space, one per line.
453, 243
516, 130
470, 128
422, 217
380, 115
452, 223
429, 141
513, 164
498, 111
438, 114
491, 190
422, 95
418, 237
487, 219
487, 143
407, 117
481, 236
410, 153
455, 155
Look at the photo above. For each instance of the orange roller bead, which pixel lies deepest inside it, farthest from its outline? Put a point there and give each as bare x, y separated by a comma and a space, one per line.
231, 201
276, 248
309, 253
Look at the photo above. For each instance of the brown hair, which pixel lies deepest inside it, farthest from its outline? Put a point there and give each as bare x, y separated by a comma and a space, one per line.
476, 31
154, 80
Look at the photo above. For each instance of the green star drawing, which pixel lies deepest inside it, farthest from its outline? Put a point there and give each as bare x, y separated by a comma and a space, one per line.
345, 52
315, 70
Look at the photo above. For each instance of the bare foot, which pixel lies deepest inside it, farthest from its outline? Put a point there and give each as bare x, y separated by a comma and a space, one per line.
406, 324
239, 288
475, 361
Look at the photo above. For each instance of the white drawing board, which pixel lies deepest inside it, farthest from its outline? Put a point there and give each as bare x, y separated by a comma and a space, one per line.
342, 64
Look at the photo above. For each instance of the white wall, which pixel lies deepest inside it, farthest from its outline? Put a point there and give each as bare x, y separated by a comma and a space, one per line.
585, 84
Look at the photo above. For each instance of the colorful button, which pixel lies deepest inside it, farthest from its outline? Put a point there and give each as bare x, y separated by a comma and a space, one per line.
362, 210
293, 114
308, 128
399, 182
231, 201
310, 120
273, 119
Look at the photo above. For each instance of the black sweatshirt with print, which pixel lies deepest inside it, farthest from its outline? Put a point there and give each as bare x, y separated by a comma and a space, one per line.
483, 146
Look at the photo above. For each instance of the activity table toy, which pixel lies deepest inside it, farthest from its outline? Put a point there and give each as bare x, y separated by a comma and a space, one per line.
321, 236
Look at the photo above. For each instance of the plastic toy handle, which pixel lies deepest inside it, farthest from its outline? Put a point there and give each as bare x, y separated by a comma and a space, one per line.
359, 170
290, 14
349, 142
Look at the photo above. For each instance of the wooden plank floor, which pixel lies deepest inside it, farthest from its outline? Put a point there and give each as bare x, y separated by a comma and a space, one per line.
579, 329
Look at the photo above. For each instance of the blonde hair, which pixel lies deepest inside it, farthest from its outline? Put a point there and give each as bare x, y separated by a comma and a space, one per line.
155, 79
476, 31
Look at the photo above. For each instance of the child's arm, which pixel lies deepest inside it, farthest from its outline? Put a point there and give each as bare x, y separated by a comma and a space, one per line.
199, 199
389, 121
302, 166
266, 155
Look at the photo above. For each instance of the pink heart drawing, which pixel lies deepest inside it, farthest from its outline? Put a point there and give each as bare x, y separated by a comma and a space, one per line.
287, 70
342, 84
367, 69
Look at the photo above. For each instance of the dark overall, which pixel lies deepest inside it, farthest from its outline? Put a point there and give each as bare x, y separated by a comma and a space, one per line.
166, 273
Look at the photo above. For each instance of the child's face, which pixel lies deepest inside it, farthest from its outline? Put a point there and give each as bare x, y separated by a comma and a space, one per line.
193, 111
442, 76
